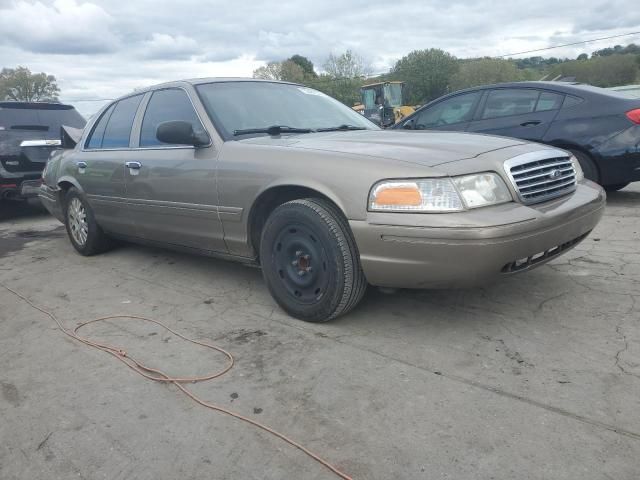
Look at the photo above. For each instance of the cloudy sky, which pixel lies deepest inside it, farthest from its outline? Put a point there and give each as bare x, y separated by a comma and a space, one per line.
103, 49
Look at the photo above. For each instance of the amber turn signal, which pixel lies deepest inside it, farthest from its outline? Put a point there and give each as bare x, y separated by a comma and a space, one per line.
405, 195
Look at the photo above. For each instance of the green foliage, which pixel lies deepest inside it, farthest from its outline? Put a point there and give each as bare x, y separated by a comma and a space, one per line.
618, 49
346, 90
305, 64
21, 85
288, 71
427, 74
486, 71
601, 71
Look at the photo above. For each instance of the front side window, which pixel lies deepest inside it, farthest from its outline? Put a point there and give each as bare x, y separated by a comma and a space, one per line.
237, 106
118, 129
448, 112
506, 102
166, 105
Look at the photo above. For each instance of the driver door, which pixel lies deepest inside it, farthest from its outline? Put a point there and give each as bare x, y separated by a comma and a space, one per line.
453, 113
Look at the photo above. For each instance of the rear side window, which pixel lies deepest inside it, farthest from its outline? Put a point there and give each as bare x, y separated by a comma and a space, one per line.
549, 101
166, 105
95, 140
506, 102
118, 130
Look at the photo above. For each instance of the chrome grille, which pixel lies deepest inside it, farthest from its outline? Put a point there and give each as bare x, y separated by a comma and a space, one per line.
540, 176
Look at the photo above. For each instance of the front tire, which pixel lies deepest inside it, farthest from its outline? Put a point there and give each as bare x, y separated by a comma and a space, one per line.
616, 187
310, 261
85, 234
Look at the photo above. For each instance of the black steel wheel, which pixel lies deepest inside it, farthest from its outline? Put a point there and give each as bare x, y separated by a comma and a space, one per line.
310, 261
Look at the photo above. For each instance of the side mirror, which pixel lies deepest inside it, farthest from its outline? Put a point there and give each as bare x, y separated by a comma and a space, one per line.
179, 132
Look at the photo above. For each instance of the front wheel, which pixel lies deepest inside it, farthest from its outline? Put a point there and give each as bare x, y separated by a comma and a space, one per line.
310, 261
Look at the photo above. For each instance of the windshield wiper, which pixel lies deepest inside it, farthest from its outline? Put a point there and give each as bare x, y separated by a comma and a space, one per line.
272, 130
340, 127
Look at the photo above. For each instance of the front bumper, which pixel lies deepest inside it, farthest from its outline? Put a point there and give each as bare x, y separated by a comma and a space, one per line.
467, 249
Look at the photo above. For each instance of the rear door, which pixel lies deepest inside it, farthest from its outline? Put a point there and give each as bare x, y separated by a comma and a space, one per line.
99, 166
524, 113
453, 113
171, 189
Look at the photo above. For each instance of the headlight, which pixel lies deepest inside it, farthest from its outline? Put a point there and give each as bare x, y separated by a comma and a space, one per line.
482, 189
439, 194
577, 168
423, 195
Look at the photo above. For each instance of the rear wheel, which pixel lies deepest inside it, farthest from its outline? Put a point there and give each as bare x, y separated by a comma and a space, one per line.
85, 234
310, 261
588, 166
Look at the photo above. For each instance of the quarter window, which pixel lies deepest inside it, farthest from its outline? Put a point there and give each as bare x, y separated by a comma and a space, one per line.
570, 101
549, 101
95, 140
506, 102
448, 112
164, 106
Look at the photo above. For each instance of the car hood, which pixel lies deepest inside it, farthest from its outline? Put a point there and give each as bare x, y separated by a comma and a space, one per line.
429, 148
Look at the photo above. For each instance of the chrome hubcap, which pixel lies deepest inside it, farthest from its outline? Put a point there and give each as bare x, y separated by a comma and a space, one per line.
77, 216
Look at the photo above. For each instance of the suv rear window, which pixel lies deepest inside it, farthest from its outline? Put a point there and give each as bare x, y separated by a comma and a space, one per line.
40, 121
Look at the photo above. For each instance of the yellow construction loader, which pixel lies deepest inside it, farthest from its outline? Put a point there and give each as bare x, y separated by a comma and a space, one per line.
382, 103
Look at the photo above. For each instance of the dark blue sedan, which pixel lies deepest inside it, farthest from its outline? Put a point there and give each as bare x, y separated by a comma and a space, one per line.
600, 127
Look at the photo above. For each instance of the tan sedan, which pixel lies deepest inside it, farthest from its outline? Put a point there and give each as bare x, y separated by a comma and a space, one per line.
323, 200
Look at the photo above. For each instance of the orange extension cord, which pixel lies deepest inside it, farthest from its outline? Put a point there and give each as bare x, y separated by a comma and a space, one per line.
159, 376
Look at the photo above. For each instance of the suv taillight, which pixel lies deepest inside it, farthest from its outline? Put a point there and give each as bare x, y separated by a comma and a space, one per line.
634, 115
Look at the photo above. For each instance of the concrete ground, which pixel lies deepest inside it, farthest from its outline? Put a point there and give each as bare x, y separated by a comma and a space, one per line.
534, 377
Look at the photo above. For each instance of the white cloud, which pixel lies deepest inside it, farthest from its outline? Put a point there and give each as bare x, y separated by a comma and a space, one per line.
105, 48
63, 27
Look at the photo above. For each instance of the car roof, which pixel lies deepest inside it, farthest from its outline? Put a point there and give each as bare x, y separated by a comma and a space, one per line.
36, 105
564, 87
200, 81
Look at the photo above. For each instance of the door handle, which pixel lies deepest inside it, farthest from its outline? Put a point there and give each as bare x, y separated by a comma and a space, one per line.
81, 164
530, 123
133, 165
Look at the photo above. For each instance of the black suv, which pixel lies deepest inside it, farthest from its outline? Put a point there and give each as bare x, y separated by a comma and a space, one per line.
600, 127
29, 131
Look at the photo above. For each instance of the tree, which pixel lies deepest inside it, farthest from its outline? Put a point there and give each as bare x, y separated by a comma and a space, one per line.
427, 74
21, 85
291, 72
270, 71
305, 64
601, 71
347, 65
485, 71
583, 56
287, 71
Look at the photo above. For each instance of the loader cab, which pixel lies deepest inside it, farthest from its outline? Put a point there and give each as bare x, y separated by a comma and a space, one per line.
380, 100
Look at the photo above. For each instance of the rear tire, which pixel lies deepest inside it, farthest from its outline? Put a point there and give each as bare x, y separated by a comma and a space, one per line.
588, 166
616, 187
85, 234
310, 261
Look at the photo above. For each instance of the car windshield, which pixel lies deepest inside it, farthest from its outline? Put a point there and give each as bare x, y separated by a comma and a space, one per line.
238, 106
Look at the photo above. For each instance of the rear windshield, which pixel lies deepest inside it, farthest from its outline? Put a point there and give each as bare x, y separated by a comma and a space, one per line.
37, 123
